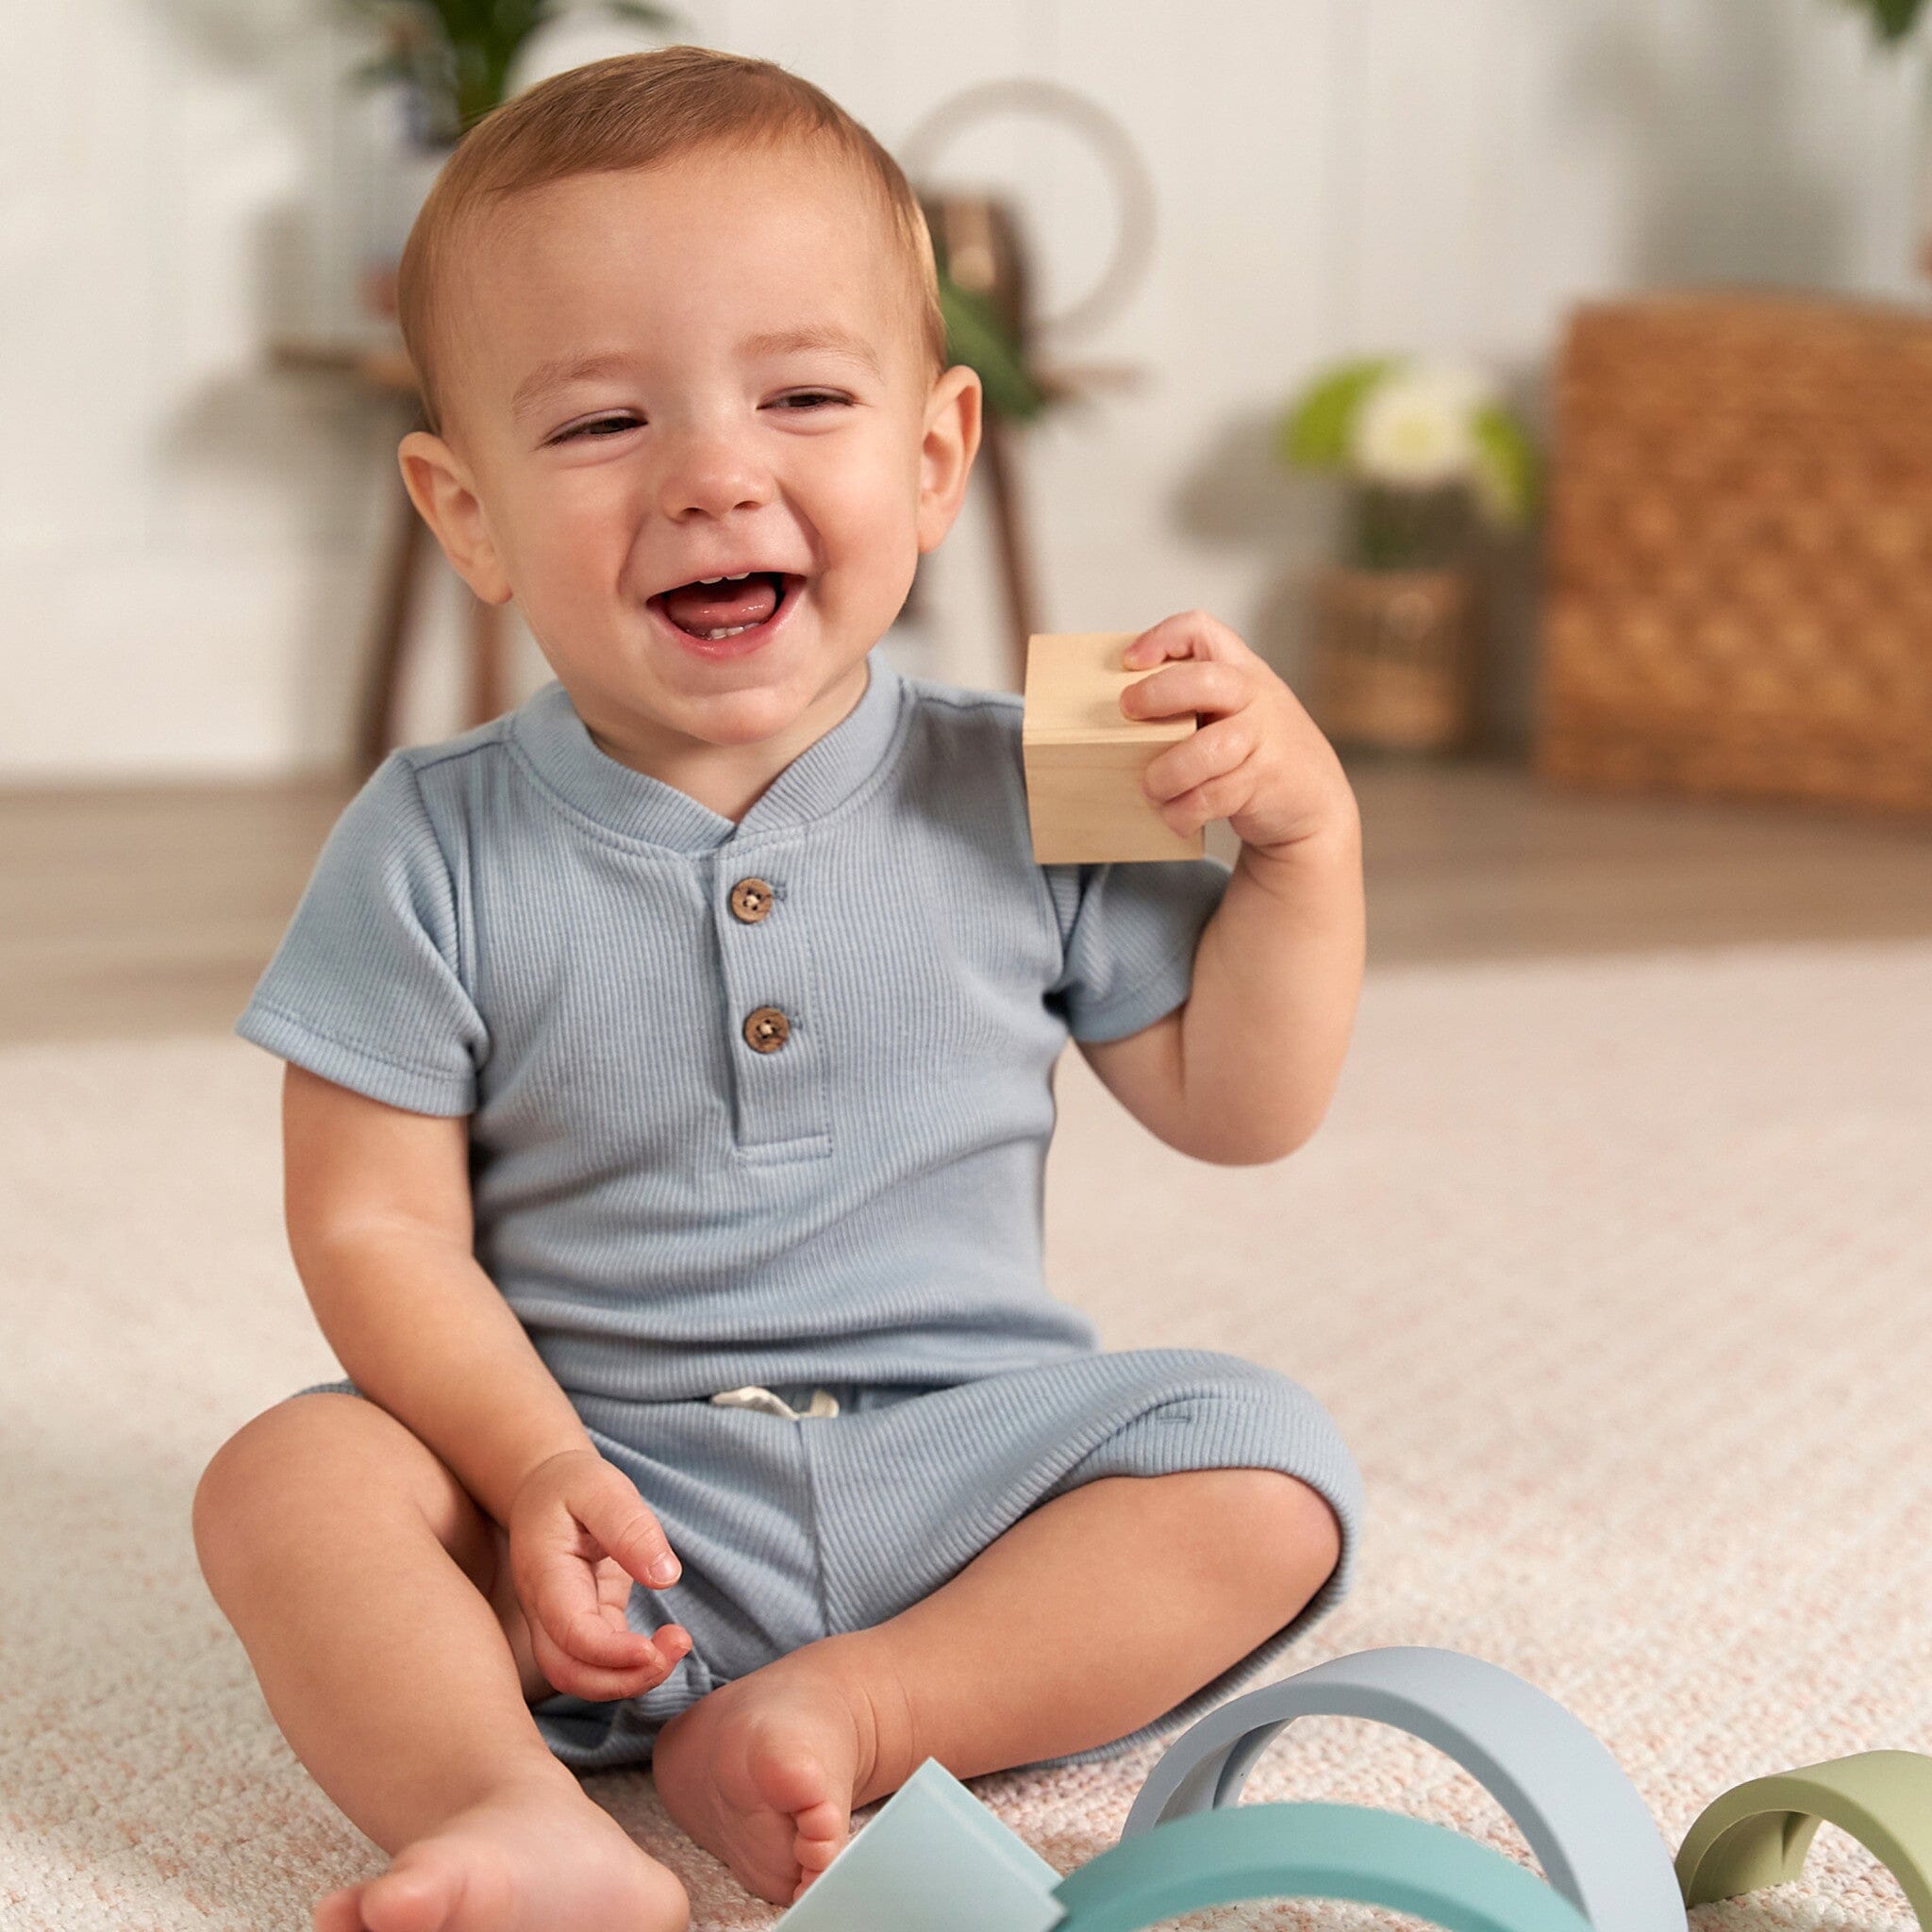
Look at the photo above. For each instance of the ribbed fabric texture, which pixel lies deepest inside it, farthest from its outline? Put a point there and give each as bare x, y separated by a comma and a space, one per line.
791, 1531
513, 925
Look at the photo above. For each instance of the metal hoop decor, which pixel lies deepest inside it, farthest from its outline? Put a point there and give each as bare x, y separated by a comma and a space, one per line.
1133, 247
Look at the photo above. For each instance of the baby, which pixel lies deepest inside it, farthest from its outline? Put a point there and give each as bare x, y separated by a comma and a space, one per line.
671, 1076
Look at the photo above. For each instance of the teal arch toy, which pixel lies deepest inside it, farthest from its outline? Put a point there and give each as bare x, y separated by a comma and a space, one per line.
1761, 1833
1585, 1821
935, 1859
1311, 1850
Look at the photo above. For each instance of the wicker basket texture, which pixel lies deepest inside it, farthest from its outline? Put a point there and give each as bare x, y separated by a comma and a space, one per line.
1741, 550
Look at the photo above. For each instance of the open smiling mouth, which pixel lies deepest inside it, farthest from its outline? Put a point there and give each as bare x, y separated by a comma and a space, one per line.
740, 613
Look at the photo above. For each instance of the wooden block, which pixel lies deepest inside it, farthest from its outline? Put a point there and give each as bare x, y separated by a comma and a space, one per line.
1084, 760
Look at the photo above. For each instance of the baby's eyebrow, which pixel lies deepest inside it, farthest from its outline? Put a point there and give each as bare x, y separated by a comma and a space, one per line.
827, 336
548, 378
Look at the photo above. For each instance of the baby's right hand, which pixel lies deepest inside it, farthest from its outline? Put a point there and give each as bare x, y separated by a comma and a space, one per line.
578, 1534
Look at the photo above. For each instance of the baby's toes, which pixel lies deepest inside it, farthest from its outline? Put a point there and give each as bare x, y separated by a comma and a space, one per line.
418, 1891
337, 1911
814, 1855
822, 1829
821, 1832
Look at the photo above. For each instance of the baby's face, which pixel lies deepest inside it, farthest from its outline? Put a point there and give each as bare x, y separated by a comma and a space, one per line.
695, 448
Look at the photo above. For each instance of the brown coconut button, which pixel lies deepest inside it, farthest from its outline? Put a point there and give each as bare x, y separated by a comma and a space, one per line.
767, 1029
751, 899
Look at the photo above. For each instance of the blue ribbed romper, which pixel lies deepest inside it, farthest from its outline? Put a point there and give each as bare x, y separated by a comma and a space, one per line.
512, 926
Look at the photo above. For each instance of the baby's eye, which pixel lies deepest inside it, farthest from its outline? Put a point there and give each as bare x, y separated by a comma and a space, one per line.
809, 398
588, 429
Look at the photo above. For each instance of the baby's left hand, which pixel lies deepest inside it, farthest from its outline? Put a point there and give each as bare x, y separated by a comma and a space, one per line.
579, 1534
1261, 764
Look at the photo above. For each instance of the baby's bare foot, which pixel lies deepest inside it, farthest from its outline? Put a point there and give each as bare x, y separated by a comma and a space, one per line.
763, 1772
529, 1859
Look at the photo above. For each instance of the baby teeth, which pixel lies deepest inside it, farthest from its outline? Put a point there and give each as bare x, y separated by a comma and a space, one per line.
713, 635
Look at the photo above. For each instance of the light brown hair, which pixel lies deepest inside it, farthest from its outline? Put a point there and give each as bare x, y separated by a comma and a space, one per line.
632, 111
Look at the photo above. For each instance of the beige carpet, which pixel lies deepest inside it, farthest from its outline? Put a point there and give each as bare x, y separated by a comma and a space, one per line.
1617, 1273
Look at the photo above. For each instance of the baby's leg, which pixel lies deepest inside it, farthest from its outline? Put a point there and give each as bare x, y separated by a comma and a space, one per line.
358, 1573
1091, 1617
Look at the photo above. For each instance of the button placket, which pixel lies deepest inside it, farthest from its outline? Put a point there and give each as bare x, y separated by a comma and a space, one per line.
777, 1064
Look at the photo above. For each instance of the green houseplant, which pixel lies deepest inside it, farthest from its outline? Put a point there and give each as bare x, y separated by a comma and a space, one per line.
1893, 19
454, 57
1417, 442
1892, 22
1419, 445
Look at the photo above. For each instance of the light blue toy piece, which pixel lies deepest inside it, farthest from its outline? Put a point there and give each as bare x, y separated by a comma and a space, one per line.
933, 1860
1311, 1851
1589, 1829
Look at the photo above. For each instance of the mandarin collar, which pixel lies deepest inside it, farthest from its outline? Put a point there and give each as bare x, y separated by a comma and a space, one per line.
553, 738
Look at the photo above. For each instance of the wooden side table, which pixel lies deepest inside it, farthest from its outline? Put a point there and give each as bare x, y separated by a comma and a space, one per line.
392, 629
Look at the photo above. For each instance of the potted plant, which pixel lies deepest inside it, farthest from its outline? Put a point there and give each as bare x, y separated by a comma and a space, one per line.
1893, 19
1428, 451
449, 62
454, 57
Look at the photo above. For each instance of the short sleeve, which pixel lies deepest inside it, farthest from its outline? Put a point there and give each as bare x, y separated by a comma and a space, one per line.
364, 987
1128, 933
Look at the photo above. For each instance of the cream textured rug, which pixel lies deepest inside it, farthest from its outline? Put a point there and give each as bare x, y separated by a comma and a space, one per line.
1617, 1273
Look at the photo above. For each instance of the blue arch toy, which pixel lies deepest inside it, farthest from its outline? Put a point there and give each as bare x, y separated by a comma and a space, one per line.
1585, 1821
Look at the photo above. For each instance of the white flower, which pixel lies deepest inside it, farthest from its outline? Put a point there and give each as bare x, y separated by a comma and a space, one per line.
1415, 428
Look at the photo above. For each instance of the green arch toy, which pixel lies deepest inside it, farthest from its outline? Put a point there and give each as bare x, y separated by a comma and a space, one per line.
1311, 1851
1759, 1833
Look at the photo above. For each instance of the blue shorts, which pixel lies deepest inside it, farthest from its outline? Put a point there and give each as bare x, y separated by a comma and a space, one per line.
792, 1531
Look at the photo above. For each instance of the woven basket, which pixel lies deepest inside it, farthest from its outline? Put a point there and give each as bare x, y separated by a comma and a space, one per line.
1741, 550
1394, 652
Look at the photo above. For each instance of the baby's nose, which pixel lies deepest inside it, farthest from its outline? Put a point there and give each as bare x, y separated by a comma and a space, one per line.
712, 473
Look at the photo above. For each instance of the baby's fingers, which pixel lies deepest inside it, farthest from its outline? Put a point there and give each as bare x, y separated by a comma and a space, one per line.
567, 1609
655, 1662
615, 1515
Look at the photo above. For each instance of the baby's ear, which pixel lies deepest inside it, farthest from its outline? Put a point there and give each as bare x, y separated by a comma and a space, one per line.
439, 484
951, 442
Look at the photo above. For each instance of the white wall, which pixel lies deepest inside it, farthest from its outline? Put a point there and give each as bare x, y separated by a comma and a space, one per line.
188, 541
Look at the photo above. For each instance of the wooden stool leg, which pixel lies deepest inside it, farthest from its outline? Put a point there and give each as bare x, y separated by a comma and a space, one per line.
1016, 570
376, 732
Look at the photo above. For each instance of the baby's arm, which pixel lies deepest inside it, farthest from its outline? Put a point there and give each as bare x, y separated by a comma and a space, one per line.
1276, 978
381, 1230
1243, 1071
